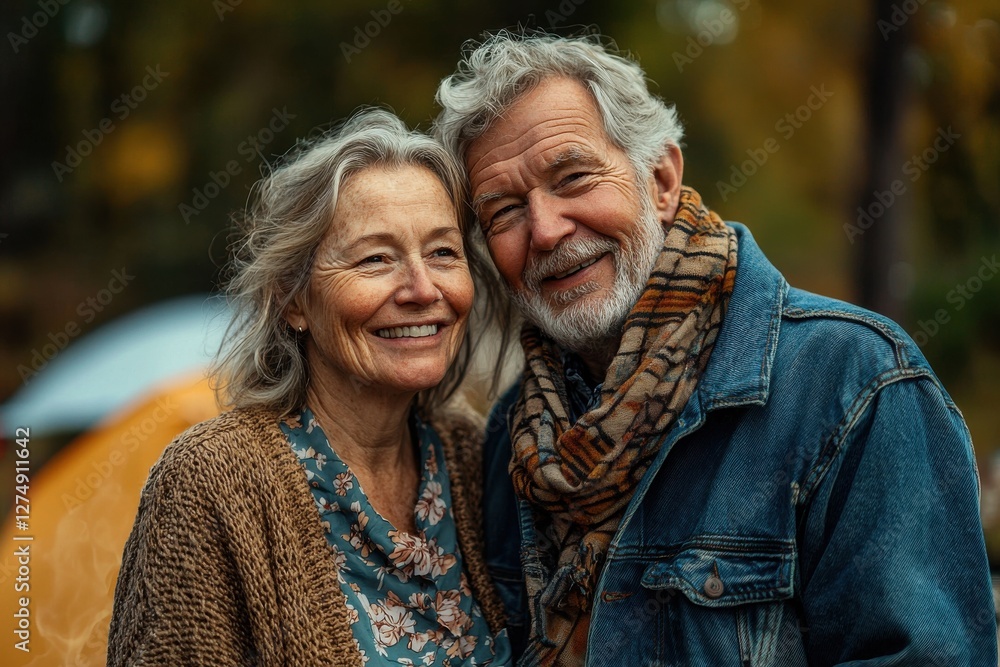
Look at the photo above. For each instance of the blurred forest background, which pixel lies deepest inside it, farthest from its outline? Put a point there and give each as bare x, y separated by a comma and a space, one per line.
859, 140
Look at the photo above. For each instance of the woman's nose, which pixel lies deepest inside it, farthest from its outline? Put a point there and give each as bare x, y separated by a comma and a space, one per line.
419, 286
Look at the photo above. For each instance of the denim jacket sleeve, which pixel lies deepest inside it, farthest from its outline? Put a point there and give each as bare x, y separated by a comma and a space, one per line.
892, 549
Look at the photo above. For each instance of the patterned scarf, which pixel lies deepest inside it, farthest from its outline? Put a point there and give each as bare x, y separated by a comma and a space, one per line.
580, 477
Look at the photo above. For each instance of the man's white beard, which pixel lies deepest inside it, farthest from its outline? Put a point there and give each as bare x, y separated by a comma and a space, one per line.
587, 325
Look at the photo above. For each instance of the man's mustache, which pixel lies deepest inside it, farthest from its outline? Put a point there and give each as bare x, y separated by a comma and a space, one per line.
563, 258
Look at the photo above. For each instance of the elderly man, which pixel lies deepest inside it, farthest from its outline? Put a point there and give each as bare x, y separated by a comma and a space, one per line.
707, 466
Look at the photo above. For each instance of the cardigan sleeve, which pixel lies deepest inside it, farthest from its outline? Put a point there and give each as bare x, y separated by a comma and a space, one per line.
179, 599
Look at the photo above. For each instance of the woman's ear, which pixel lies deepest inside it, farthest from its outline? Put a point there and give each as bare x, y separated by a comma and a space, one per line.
295, 314
665, 183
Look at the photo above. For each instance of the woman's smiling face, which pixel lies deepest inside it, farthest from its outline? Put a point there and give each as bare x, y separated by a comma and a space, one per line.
390, 290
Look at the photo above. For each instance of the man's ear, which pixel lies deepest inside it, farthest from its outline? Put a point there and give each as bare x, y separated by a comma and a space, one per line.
665, 183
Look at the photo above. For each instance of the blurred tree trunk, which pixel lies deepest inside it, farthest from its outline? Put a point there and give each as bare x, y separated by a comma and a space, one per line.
880, 244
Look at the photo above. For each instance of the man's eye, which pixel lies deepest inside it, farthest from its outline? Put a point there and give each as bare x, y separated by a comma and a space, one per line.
374, 259
502, 212
575, 176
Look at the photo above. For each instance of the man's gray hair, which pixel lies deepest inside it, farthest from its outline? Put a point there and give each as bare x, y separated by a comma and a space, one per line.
493, 74
262, 361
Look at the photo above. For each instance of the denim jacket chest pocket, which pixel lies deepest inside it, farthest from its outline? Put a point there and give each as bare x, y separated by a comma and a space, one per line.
728, 602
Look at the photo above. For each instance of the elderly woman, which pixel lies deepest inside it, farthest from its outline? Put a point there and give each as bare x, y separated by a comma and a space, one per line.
332, 517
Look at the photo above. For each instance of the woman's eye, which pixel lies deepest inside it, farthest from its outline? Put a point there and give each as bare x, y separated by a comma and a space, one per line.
374, 259
446, 252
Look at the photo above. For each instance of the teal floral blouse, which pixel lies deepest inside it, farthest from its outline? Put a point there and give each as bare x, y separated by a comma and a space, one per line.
407, 595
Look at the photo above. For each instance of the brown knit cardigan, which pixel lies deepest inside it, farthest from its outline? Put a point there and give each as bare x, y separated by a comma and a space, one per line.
227, 563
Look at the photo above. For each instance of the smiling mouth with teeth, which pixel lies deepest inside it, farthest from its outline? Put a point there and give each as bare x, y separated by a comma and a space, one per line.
408, 332
578, 267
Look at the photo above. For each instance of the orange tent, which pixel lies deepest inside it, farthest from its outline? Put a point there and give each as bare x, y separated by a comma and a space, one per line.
82, 506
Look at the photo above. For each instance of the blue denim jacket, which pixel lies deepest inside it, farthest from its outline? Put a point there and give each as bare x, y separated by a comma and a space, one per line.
816, 503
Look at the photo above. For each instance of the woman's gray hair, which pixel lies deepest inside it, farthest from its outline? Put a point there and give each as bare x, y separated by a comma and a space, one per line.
262, 362
493, 74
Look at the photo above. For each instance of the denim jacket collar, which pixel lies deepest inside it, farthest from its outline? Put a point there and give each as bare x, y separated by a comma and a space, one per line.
739, 371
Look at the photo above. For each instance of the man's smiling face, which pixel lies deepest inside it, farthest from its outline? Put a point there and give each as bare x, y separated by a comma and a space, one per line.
569, 228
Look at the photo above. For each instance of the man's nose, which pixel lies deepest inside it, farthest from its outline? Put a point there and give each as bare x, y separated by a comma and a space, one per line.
549, 224
419, 286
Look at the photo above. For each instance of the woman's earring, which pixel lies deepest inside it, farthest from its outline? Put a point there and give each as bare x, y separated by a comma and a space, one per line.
300, 328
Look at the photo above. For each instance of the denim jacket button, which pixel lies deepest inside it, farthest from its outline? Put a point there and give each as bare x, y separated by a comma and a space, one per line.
713, 587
